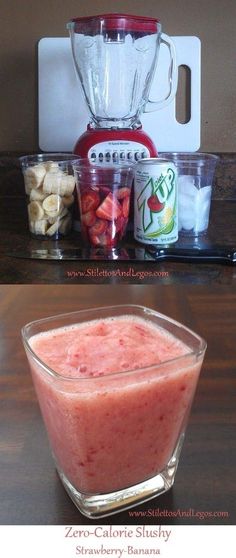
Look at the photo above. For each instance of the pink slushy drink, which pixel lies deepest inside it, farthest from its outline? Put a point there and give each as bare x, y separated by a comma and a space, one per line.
115, 396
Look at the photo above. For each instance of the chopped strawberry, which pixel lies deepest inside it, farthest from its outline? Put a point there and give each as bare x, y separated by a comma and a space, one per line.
122, 193
110, 236
154, 204
99, 226
89, 218
89, 200
94, 239
111, 231
109, 209
107, 238
120, 224
125, 207
105, 190
99, 240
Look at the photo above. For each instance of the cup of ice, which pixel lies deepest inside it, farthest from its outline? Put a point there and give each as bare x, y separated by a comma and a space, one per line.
195, 179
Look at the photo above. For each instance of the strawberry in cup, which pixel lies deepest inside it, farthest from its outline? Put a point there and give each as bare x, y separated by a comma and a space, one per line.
104, 200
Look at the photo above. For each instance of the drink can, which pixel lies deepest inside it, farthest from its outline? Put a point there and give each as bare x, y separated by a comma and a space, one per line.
155, 202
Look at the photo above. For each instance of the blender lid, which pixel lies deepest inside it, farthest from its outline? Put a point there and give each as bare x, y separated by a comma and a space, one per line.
118, 22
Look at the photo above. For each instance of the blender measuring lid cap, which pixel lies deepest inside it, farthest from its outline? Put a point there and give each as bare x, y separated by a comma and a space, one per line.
124, 22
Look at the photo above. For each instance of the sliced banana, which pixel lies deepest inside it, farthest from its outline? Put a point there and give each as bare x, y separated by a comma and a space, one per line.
27, 188
58, 183
37, 195
34, 176
68, 200
32, 226
67, 185
51, 166
35, 211
38, 227
53, 229
63, 213
52, 205
52, 182
65, 224
52, 220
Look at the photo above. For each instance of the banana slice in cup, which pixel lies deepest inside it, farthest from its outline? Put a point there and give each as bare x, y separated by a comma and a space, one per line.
34, 176
52, 205
62, 224
67, 185
53, 229
51, 166
58, 183
52, 220
35, 211
37, 194
65, 224
52, 182
38, 227
68, 200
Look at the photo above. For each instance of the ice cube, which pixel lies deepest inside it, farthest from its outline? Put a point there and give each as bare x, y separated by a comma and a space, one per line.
186, 203
187, 222
205, 193
202, 209
186, 185
180, 226
193, 204
186, 211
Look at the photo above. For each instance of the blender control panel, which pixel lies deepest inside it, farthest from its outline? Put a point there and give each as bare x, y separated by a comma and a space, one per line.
115, 151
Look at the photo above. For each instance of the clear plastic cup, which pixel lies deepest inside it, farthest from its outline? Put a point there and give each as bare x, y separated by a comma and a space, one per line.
195, 180
104, 201
116, 425
49, 188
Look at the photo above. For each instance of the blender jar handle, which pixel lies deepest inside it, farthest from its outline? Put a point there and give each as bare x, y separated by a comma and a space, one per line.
173, 78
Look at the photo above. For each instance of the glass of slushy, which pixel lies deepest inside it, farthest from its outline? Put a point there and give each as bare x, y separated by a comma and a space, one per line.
115, 386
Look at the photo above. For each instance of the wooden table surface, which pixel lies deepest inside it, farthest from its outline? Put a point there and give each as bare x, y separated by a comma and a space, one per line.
205, 488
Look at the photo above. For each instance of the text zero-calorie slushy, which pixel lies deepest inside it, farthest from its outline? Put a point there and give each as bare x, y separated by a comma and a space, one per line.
117, 404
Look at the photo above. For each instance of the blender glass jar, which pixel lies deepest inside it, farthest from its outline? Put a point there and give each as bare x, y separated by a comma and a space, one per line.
115, 56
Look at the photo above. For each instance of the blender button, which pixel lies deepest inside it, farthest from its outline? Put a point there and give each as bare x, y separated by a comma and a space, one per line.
137, 156
93, 156
122, 155
130, 155
144, 154
108, 156
100, 157
115, 156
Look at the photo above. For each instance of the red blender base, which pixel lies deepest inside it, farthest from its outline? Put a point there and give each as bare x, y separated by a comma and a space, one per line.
108, 145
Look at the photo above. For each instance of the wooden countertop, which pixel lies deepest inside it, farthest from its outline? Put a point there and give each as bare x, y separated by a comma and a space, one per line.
30, 491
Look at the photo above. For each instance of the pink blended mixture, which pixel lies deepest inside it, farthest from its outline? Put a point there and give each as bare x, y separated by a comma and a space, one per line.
110, 428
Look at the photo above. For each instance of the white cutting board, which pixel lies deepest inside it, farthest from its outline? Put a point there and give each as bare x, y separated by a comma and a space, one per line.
63, 115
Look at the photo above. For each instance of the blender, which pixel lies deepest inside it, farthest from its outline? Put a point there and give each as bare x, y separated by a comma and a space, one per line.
115, 57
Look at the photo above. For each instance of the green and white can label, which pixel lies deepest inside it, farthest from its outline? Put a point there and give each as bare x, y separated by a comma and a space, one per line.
155, 202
